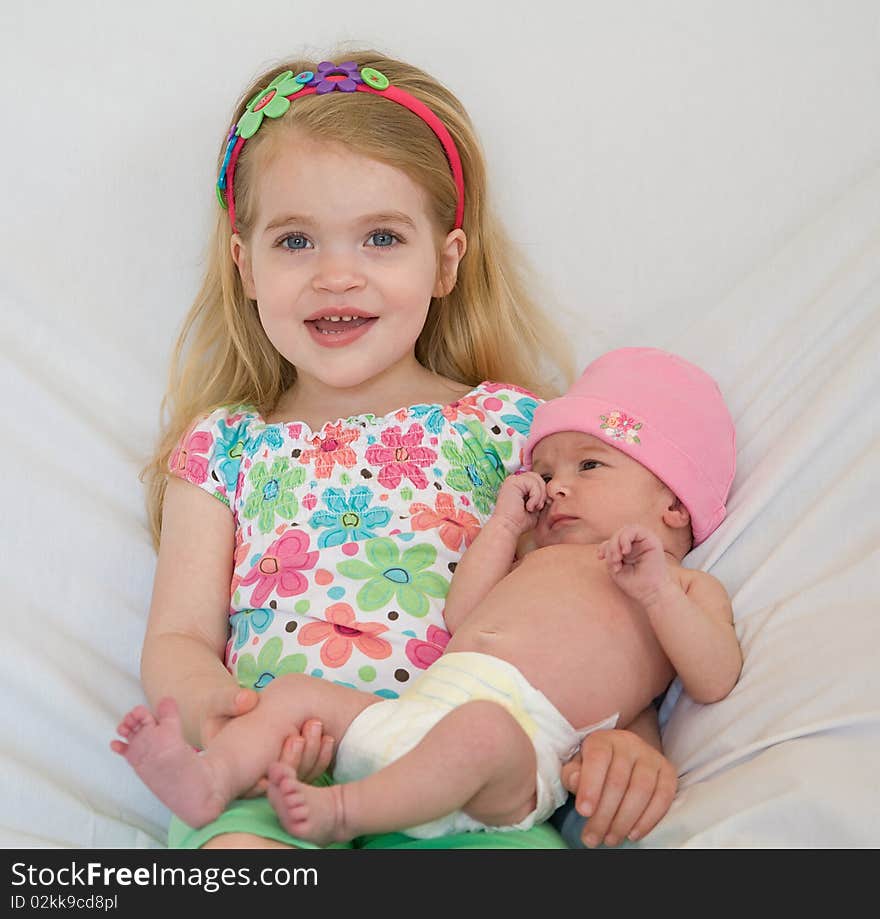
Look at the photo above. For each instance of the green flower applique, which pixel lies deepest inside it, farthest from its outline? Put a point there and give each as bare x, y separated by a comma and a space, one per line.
479, 467
273, 492
391, 574
271, 102
257, 674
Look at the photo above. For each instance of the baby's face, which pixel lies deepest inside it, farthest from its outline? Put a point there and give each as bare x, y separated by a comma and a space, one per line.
593, 489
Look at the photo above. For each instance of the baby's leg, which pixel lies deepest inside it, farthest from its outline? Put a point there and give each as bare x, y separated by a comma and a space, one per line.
198, 787
476, 759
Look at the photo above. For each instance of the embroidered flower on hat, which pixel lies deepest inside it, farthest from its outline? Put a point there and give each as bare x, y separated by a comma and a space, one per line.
619, 426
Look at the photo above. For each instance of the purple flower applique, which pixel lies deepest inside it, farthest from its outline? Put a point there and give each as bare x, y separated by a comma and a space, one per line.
344, 77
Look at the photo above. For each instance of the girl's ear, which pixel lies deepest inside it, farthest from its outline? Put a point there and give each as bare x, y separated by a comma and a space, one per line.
676, 515
451, 254
242, 259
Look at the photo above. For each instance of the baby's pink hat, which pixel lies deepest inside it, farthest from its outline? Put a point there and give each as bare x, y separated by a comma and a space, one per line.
665, 413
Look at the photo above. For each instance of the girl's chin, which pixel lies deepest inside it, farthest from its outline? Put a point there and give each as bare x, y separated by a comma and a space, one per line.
344, 377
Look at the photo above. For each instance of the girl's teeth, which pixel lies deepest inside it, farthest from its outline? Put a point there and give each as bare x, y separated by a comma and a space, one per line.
338, 318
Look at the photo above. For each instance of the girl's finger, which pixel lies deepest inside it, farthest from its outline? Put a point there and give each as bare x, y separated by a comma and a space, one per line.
325, 757
613, 790
639, 792
664, 792
312, 732
292, 752
595, 760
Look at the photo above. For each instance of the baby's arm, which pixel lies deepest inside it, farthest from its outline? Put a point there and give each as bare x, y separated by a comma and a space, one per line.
695, 627
693, 623
186, 634
491, 555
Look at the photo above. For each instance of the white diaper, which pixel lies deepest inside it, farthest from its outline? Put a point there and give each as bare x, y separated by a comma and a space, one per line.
387, 730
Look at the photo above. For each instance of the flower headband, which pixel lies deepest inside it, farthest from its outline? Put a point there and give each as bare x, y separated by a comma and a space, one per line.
275, 99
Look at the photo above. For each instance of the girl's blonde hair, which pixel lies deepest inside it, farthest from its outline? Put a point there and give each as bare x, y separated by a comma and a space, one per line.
487, 328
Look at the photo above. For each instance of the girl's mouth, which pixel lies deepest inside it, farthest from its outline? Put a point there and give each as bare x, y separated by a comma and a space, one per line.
337, 330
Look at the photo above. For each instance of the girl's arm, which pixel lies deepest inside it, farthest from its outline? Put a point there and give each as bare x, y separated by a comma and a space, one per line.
188, 624
491, 555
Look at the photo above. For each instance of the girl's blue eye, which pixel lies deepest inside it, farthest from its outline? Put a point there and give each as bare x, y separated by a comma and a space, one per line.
294, 243
382, 239
590, 464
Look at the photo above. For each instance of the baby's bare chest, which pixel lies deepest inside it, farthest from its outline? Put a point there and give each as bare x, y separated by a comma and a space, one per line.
572, 632
561, 597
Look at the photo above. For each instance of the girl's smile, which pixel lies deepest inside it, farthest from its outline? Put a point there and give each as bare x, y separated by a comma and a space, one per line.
337, 327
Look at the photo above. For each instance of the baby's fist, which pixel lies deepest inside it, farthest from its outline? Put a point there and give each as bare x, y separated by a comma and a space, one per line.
520, 499
636, 560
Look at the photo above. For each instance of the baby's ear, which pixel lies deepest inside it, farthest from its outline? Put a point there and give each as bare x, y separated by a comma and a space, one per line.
676, 515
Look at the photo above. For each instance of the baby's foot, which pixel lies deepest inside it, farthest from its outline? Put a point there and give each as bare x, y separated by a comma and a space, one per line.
168, 765
308, 812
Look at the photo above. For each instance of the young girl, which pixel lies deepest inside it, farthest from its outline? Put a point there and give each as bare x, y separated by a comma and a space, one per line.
332, 396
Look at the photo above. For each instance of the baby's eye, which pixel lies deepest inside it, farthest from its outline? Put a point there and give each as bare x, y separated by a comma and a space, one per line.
586, 465
545, 477
295, 242
382, 239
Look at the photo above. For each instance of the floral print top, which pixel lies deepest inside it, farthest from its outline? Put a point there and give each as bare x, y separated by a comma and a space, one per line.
346, 538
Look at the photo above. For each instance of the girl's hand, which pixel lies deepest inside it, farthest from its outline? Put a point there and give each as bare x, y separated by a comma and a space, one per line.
636, 562
223, 705
622, 784
520, 499
309, 754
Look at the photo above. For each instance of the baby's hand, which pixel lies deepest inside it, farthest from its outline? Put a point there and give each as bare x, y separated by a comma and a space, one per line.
636, 561
520, 499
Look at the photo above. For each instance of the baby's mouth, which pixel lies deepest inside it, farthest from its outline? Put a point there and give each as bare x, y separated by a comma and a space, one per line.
560, 521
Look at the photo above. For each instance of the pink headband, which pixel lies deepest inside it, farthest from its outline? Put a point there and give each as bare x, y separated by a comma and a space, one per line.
274, 101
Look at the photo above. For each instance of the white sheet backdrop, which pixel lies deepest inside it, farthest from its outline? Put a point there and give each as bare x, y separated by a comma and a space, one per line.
701, 176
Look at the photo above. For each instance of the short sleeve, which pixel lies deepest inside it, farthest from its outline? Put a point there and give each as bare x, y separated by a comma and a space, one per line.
508, 412
492, 422
209, 453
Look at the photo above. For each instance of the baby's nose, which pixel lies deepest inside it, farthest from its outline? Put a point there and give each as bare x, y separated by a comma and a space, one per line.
556, 487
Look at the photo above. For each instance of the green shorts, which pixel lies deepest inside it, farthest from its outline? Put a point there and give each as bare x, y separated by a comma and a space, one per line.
255, 815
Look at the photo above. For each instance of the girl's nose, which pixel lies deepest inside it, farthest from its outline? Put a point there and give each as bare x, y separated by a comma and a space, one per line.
337, 274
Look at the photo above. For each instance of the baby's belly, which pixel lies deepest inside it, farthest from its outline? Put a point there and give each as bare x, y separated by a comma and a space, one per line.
560, 619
